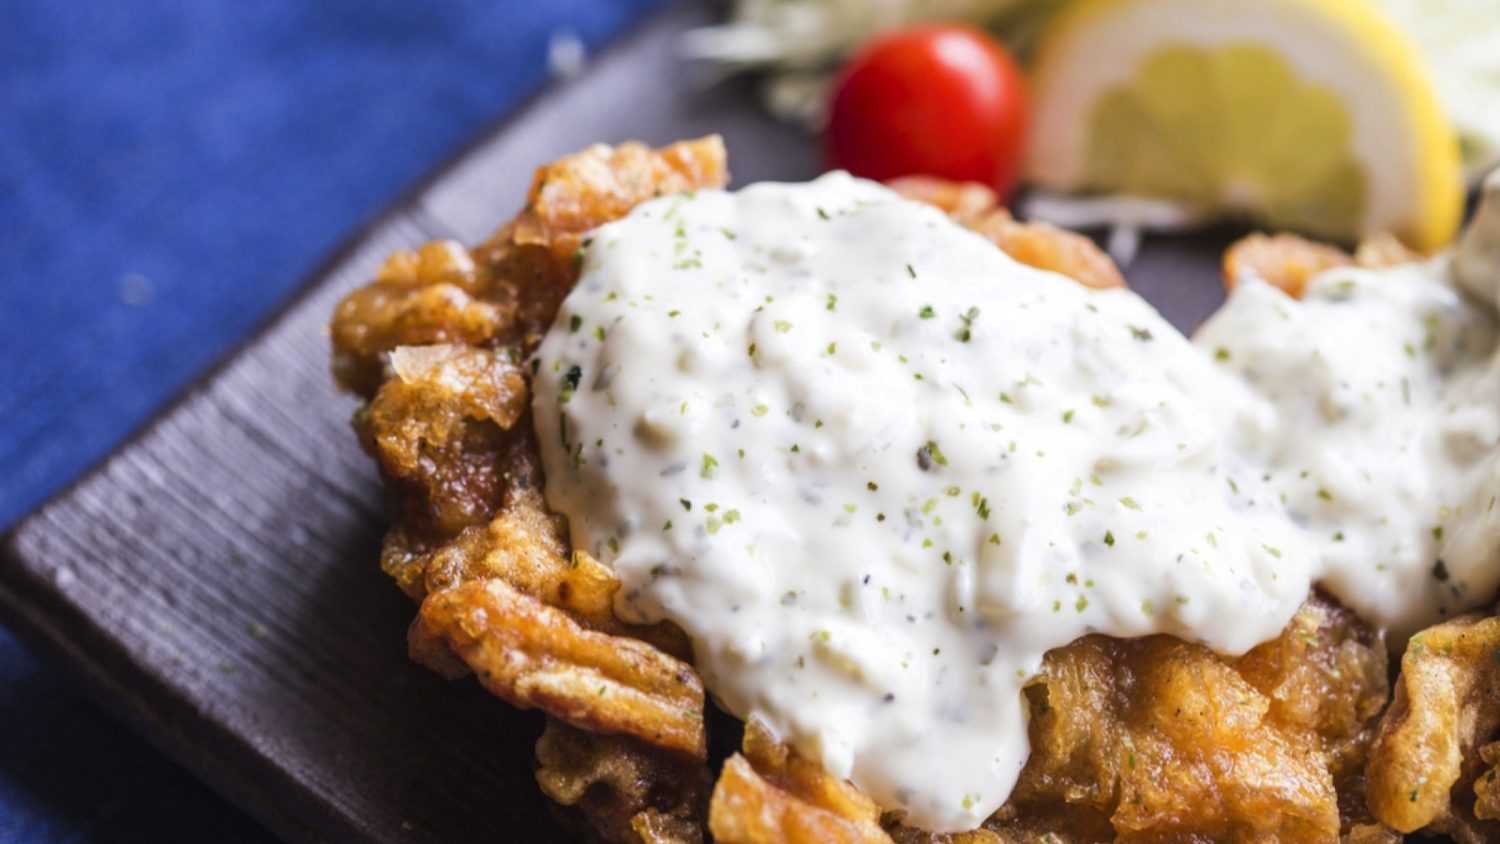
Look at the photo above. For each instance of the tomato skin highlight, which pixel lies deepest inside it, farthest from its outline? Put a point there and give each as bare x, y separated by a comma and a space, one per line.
942, 100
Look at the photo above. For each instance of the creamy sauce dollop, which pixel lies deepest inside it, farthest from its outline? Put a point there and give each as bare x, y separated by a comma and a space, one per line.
876, 469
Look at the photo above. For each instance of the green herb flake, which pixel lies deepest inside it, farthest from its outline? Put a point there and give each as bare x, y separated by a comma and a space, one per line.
930, 454
966, 332
926, 312
710, 466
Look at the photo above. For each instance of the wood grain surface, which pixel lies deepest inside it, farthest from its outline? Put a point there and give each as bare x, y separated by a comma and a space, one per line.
215, 580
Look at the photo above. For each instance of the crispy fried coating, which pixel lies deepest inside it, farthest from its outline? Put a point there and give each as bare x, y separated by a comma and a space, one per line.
507, 290
1035, 244
1432, 766
441, 430
1289, 262
432, 344
965, 202
769, 795
434, 295
626, 791
533, 655
1282, 260
1047, 247
1156, 740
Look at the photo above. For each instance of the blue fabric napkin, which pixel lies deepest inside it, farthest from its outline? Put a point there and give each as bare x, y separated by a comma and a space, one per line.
168, 171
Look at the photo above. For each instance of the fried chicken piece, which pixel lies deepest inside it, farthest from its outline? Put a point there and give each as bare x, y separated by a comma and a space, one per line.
626, 791
769, 795
502, 594
441, 430
1156, 739
965, 202
432, 343
1289, 262
507, 290
1047, 247
534, 655
1432, 766
1035, 244
434, 295
1282, 260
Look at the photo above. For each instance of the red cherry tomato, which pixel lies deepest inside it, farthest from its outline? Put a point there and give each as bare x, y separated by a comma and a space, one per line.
944, 101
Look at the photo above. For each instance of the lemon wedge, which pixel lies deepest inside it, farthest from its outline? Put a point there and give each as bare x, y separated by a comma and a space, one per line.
1313, 115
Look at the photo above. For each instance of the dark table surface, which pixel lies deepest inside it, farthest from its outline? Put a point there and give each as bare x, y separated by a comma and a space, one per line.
168, 171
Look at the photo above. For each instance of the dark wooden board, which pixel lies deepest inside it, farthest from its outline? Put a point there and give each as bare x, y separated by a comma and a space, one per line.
214, 581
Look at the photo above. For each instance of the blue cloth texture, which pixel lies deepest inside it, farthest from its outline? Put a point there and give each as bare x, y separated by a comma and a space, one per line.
168, 172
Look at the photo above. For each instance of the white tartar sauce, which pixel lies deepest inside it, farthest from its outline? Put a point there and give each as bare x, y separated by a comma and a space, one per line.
876, 469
